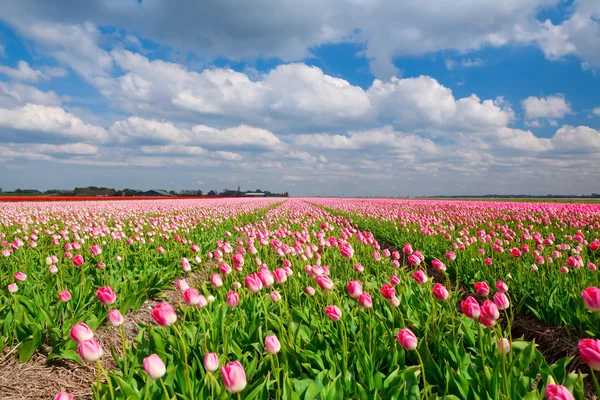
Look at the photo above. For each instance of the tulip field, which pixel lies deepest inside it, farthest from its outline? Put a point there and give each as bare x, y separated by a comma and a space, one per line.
303, 298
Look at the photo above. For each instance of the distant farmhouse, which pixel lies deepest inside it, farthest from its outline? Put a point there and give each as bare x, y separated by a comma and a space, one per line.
249, 193
156, 192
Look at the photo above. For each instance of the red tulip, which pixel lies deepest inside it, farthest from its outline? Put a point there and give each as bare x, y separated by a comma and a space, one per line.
481, 288
78, 260
388, 291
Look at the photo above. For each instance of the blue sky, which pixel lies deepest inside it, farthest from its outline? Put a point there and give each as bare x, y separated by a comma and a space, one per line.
343, 97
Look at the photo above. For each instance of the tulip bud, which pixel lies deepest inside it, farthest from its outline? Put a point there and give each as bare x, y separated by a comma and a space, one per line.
90, 350
234, 377
407, 339
154, 366
272, 344
81, 332
115, 318
211, 362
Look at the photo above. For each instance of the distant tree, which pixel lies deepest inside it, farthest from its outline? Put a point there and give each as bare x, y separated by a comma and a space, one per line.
174, 193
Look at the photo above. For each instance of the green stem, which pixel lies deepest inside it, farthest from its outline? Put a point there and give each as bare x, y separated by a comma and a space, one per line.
166, 393
124, 344
481, 350
187, 367
595, 383
110, 388
423, 372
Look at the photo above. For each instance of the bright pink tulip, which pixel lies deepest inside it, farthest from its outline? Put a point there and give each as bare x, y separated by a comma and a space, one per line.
64, 296
437, 264
470, 307
388, 291
164, 315
407, 249
115, 318
354, 289
501, 286
440, 292
20, 277
154, 366
365, 301
13, 288
558, 392
501, 301
310, 290
211, 362
591, 298
106, 295
325, 282
419, 276
63, 396
333, 312
234, 377
450, 256
89, 350
233, 299
394, 280
78, 260
96, 250
489, 310
253, 283
266, 277
80, 332
358, 267
280, 275
481, 288
589, 350
407, 339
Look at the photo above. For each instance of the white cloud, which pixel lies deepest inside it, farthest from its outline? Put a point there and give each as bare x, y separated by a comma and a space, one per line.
23, 72
470, 63
242, 137
16, 94
53, 120
580, 139
450, 64
71, 148
596, 111
546, 107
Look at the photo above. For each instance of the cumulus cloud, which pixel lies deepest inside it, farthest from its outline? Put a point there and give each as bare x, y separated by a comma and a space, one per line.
596, 111
16, 94
50, 120
546, 107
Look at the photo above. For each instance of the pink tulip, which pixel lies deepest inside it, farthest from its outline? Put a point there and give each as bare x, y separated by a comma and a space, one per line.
225, 269
591, 298
589, 349
233, 299
440, 292
489, 310
501, 301
280, 275
216, 280
503, 346
558, 392
211, 362
501, 286
272, 344
78, 260
414, 260
407, 339
325, 282
191, 297
20, 277
333, 312
115, 318
481, 288
96, 250
63, 396
234, 377
275, 296
53, 269
394, 280
266, 277
358, 267
181, 285
407, 249
354, 289
64, 296
438, 265
488, 261
419, 276
13, 288
388, 291
154, 366
365, 301
253, 283
470, 307
80, 332
106, 295
164, 315
89, 350
310, 290
450, 256
160, 250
